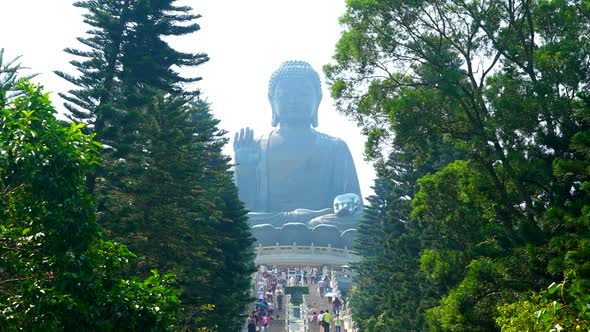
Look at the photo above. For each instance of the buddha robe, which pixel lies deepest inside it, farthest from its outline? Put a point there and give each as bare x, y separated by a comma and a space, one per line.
306, 178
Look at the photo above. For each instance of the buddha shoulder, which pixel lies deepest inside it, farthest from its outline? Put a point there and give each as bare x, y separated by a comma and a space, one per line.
330, 141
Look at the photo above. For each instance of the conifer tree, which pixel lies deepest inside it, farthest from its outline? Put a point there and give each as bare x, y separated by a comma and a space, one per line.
390, 243
9, 76
165, 187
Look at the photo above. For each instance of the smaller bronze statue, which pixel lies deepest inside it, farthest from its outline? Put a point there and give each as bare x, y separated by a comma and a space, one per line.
278, 219
346, 213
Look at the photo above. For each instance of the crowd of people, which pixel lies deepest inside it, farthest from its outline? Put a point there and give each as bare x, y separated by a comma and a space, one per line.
270, 293
325, 318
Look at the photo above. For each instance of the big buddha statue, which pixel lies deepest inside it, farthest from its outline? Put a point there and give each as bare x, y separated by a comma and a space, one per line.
293, 170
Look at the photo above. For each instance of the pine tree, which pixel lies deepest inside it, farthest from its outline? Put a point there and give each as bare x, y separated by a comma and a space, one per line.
391, 293
165, 188
222, 223
9, 76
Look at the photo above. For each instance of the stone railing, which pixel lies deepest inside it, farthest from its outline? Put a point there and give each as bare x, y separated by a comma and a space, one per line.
349, 324
321, 235
294, 322
303, 255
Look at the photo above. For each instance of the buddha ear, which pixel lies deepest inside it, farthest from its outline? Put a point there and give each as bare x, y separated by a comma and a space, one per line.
275, 119
314, 118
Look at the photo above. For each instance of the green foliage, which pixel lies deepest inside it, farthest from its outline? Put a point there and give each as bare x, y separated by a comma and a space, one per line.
389, 246
56, 273
164, 188
380, 324
488, 104
563, 306
470, 304
126, 51
9, 70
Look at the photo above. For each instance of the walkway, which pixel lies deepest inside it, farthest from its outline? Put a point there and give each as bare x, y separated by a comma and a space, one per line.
285, 320
317, 303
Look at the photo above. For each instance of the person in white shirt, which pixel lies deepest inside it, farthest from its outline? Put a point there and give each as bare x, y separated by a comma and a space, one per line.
268, 296
321, 287
279, 297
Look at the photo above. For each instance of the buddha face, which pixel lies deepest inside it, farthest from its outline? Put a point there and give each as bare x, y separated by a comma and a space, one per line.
295, 101
347, 204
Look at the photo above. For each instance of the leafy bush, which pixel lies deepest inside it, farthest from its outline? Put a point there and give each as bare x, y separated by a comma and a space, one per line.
56, 272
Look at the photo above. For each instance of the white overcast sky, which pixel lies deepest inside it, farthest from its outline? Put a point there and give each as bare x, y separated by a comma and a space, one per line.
245, 40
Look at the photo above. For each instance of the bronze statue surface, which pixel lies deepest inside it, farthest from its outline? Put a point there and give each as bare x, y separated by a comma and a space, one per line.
293, 171
347, 214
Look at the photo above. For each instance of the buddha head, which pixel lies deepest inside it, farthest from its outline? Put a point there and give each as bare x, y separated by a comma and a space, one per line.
347, 204
294, 92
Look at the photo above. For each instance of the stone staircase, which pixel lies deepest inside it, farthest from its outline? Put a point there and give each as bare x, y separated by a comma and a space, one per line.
286, 320
278, 323
317, 303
